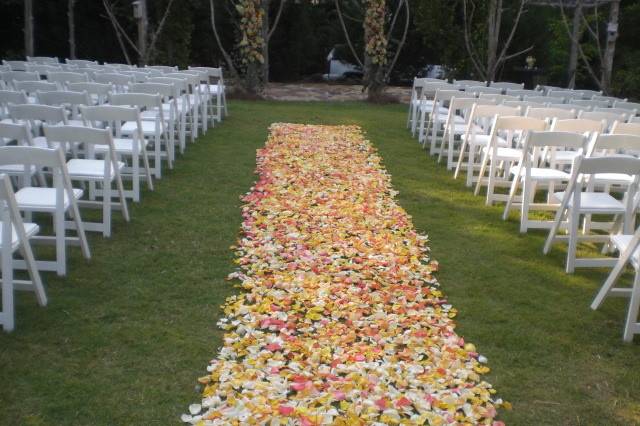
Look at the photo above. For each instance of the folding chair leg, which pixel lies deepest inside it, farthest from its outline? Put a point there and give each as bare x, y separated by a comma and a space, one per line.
574, 218
34, 274
8, 314
483, 168
632, 326
61, 251
106, 210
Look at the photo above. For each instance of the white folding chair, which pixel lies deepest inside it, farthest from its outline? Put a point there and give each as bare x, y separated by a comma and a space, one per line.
610, 99
57, 200
48, 60
152, 128
217, 95
437, 118
98, 92
183, 106
632, 107
8, 97
574, 202
35, 116
535, 171
119, 82
608, 117
544, 99
31, 87
195, 99
477, 137
619, 128
15, 65
93, 170
133, 148
500, 158
548, 114
464, 84
588, 128
201, 94
10, 77
169, 94
454, 130
628, 247
63, 78
423, 104
14, 236
71, 101
506, 85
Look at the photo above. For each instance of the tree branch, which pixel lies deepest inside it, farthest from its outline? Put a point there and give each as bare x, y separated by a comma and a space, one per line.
225, 55
393, 20
276, 21
116, 24
115, 28
402, 41
346, 34
584, 58
154, 38
503, 55
469, 44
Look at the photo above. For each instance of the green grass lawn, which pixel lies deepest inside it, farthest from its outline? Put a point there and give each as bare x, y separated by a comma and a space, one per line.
126, 335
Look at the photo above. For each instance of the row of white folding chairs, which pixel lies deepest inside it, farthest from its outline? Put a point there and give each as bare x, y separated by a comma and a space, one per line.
101, 165
430, 125
209, 92
532, 152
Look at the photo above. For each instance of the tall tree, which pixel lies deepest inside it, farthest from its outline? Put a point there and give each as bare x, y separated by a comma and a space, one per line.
378, 24
72, 27
28, 28
487, 59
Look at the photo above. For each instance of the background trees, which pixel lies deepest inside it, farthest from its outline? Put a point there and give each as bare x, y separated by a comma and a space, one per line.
296, 45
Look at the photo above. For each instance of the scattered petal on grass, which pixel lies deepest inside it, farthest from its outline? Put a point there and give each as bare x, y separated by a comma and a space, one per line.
341, 321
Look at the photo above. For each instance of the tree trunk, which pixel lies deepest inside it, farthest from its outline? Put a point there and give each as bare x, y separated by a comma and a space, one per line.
28, 28
265, 37
374, 79
143, 24
576, 32
493, 36
610, 48
72, 28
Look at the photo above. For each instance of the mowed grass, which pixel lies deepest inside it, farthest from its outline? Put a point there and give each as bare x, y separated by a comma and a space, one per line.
126, 335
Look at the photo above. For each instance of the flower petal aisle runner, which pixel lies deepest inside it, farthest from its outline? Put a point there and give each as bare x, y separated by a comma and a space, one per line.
341, 321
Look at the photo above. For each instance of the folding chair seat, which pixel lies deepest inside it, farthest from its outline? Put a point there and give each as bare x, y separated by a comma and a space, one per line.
478, 136
132, 148
574, 203
15, 236
57, 200
93, 170
499, 158
535, 171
